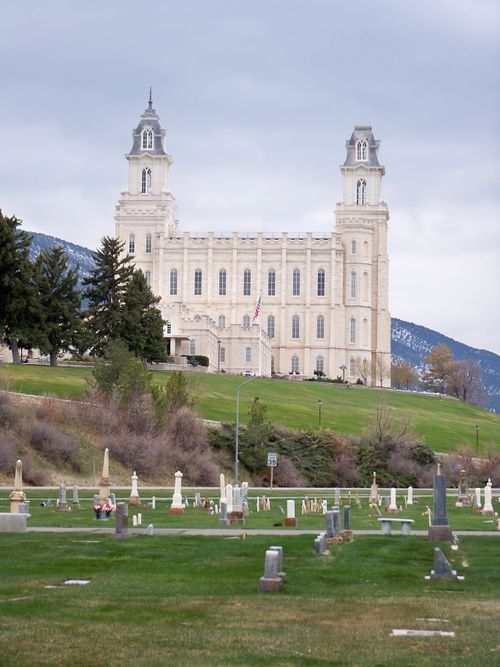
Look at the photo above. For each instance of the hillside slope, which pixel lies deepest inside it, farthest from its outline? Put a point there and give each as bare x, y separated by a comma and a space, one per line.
410, 342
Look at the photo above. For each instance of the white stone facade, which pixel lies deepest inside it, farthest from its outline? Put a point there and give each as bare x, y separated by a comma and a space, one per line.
323, 297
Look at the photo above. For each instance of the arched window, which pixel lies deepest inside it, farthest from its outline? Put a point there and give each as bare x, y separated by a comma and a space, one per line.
173, 282
146, 181
131, 243
271, 283
197, 282
246, 321
271, 326
148, 243
147, 139
248, 354
352, 367
320, 364
364, 331
147, 275
352, 330
295, 364
222, 322
353, 285
295, 327
296, 282
361, 192
320, 327
222, 282
353, 247
361, 150
365, 286
247, 282
321, 282
168, 327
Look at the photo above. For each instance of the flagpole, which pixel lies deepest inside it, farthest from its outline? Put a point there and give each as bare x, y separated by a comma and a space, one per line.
260, 346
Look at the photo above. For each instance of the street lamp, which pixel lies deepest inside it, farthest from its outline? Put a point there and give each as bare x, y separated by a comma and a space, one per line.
237, 439
320, 404
477, 440
343, 368
218, 355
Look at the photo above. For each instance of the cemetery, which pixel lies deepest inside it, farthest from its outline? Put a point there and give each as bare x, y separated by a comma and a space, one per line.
242, 575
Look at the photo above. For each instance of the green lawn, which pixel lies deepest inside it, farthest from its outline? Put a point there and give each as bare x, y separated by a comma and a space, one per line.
361, 518
444, 424
193, 601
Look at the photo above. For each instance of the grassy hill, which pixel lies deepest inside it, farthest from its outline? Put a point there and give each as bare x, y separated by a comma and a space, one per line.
444, 424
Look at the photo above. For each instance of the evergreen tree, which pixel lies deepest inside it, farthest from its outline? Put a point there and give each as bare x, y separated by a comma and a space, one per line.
19, 310
141, 322
106, 286
59, 300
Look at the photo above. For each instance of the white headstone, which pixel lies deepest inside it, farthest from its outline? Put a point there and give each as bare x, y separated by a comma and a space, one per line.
393, 507
229, 497
478, 497
177, 497
290, 509
222, 488
488, 507
410, 496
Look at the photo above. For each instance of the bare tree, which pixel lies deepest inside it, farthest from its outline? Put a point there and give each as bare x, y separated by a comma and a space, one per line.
439, 366
382, 371
387, 425
465, 381
363, 369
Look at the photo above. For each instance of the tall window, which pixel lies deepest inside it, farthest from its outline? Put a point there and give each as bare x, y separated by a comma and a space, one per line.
295, 327
192, 346
147, 139
365, 331
365, 286
248, 354
353, 247
352, 330
173, 282
321, 282
148, 278
320, 327
168, 326
131, 243
352, 367
246, 321
222, 355
146, 181
271, 326
197, 282
353, 285
295, 364
271, 283
361, 192
148, 243
320, 364
361, 150
222, 322
222, 282
296, 282
247, 282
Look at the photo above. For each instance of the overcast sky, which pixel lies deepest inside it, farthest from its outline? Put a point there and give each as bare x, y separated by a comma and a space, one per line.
258, 99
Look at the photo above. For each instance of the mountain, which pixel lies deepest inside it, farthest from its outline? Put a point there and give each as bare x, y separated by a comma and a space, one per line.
410, 342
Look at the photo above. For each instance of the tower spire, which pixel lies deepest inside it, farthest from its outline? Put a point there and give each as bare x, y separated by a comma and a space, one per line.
150, 103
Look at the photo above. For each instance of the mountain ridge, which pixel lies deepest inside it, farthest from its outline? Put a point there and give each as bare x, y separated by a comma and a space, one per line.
410, 342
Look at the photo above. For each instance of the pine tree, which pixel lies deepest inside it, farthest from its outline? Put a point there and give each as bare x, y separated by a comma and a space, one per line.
60, 301
106, 286
141, 324
19, 309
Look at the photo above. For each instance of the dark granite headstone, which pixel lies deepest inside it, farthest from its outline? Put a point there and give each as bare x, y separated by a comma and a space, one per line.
330, 532
442, 568
223, 521
121, 516
439, 529
347, 517
336, 521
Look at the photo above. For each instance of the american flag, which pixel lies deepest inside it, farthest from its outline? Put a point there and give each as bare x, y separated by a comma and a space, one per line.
257, 309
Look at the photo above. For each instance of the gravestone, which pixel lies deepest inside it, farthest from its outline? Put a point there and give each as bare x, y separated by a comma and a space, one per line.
336, 521
134, 499
478, 498
153, 503
17, 496
112, 498
105, 482
374, 489
330, 531
236, 515
439, 530
393, 505
48, 502
281, 573
271, 582
149, 530
62, 503
197, 499
229, 498
121, 517
76, 499
347, 517
290, 513
442, 568
222, 482
177, 506
488, 506
24, 508
409, 499
223, 521
337, 496
463, 490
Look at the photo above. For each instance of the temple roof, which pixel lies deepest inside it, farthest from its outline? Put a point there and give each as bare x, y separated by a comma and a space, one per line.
362, 132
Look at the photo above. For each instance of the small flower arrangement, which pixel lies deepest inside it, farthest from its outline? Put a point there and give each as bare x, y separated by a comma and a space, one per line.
106, 507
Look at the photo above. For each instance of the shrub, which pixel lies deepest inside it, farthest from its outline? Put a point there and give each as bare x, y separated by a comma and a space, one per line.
53, 444
286, 473
8, 412
8, 453
32, 473
144, 454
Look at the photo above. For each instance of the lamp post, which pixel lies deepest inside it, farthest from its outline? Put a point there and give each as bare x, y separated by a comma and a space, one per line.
477, 440
343, 368
218, 355
320, 405
237, 439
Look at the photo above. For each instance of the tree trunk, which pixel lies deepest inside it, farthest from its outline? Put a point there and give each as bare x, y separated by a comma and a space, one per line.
53, 357
16, 359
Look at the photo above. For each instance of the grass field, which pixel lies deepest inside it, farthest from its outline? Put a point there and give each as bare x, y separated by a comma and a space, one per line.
361, 518
444, 424
193, 601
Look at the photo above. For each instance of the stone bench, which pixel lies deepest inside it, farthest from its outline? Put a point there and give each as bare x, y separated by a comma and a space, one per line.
405, 525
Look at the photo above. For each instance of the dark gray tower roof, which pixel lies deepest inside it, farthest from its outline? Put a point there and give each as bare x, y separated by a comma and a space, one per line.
149, 120
362, 132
